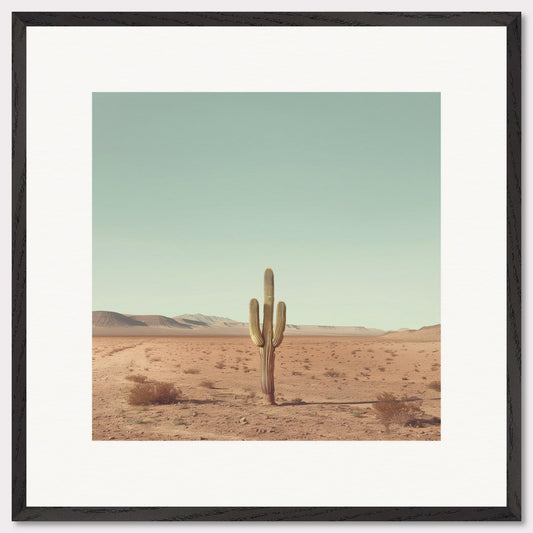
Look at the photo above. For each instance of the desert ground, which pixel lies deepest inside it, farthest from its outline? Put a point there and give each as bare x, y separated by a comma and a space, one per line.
327, 388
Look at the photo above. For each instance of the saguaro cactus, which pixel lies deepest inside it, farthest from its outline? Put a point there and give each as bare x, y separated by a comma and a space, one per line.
270, 338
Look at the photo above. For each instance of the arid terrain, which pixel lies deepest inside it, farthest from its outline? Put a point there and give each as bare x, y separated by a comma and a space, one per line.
327, 387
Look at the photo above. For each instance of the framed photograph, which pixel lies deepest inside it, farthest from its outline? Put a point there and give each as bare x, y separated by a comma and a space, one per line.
266, 266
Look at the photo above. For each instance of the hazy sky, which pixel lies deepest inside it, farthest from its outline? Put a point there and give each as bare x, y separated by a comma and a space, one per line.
195, 194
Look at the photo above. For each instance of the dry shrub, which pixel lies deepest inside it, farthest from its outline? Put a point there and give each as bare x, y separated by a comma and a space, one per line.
191, 371
154, 392
435, 385
207, 384
138, 378
334, 374
219, 364
390, 410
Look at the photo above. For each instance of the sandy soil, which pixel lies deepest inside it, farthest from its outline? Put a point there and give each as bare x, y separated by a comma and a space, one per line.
326, 388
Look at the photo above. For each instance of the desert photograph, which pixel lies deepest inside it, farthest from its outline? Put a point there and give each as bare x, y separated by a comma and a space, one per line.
266, 267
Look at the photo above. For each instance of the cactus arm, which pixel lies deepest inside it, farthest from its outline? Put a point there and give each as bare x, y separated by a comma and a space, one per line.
280, 324
255, 331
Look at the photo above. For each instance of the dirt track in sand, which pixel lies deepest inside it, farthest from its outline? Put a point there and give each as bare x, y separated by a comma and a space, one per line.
326, 388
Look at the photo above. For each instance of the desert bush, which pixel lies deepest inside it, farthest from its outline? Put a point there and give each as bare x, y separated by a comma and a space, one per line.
219, 364
153, 392
435, 385
390, 410
191, 371
333, 374
138, 378
207, 384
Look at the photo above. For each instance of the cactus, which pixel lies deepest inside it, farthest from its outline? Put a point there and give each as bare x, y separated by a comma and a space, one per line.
270, 338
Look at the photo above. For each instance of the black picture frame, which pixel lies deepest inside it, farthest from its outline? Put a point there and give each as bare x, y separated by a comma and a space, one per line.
510, 512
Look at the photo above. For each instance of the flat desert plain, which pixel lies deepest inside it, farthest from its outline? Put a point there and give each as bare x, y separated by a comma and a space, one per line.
326, 388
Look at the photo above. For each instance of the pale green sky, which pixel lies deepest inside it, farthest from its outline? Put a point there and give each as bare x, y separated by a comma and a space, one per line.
195, 194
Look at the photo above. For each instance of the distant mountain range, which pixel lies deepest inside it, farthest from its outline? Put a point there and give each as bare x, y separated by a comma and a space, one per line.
109, 323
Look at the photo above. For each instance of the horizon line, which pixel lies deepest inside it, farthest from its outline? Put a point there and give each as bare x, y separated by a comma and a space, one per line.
173, 317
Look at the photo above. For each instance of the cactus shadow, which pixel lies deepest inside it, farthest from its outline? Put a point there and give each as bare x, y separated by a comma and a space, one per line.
196, 402
350, 403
